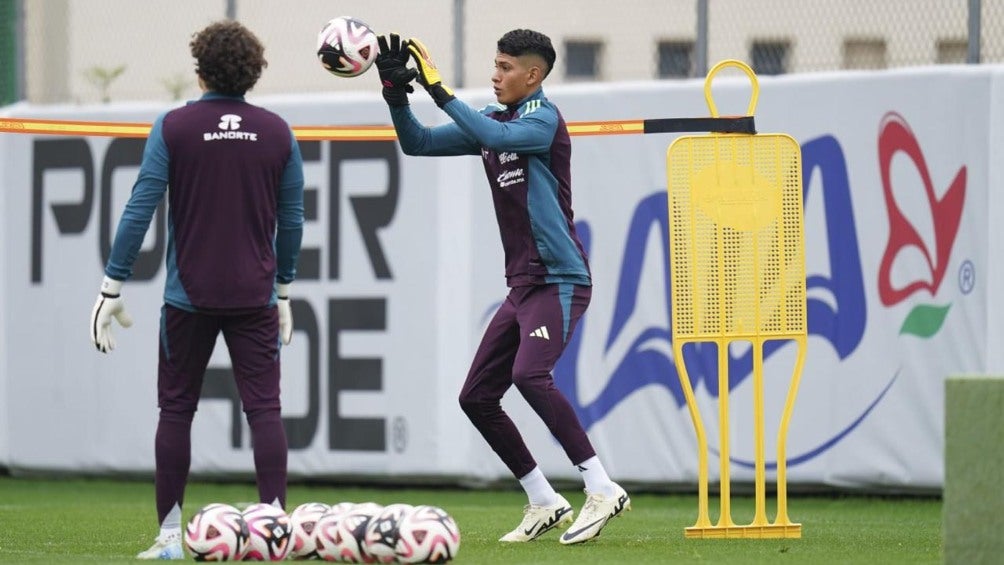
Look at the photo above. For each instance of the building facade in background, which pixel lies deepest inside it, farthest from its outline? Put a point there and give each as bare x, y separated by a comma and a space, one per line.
88, 51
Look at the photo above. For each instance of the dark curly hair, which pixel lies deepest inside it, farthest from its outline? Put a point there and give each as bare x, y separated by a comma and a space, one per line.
523, 41
228, 57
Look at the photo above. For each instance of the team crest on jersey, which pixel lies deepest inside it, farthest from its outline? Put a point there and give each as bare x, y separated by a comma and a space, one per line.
507, 157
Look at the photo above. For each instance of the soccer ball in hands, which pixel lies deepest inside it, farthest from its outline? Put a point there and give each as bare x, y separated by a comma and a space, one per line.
427, 534
302, 520
217, 532
347, 47
270, 533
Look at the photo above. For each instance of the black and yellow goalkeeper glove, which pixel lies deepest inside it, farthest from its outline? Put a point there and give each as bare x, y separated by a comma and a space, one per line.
428, 74
391, 63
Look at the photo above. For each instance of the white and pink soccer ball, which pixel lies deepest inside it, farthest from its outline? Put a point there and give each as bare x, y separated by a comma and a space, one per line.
217, 532
269, 533
427, 534
346, 47
350, 534
303, 520
326, 534
380, 541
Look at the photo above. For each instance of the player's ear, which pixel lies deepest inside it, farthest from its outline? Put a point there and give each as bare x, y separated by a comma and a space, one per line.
535, 75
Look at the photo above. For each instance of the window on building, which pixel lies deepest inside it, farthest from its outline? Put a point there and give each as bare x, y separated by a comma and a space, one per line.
770, 57
952, 51
676, 59
582, 59
867, 54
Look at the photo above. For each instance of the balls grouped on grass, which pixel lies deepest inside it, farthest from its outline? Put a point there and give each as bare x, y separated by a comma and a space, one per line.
345, 532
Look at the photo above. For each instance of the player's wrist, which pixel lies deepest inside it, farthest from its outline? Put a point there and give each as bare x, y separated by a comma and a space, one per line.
441, 95
111, 288
395, 96
282, 291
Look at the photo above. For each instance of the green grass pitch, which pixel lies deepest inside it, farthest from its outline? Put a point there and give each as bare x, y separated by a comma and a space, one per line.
105, 521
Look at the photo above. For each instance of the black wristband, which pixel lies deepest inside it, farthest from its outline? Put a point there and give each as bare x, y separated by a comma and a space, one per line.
395, 96
440, 95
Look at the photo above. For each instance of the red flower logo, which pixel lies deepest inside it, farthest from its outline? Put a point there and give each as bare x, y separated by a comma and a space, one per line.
924, 320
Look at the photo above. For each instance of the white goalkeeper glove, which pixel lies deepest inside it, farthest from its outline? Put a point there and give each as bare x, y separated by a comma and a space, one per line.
285, 313
108, 305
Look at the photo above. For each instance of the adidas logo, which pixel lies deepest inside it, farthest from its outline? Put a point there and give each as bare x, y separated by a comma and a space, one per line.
540, 332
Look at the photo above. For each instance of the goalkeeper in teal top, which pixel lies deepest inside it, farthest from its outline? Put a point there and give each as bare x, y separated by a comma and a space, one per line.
232, 175
524, 145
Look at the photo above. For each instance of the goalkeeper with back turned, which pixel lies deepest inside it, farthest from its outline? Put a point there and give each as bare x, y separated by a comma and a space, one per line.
526, 150
231, 174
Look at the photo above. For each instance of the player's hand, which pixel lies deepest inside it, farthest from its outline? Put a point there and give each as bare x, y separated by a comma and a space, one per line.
428, 74
391, 63
285, 313
108, 305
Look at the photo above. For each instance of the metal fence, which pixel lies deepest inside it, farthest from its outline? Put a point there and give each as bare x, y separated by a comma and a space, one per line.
819, 35
85, 51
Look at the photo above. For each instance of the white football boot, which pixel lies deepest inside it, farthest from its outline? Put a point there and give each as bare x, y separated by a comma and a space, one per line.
165, 547
595, 513
538, 520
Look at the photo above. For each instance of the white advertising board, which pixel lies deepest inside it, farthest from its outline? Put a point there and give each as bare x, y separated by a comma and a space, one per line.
402, 266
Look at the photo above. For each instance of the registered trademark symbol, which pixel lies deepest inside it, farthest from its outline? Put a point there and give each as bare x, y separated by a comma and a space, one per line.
967, 277
399, 434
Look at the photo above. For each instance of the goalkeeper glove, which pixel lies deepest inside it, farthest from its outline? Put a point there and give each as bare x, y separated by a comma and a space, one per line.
428, 74
391, 63
108, 305
285, 313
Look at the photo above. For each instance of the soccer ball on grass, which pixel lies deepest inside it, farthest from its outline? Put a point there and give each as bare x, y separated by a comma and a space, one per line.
217, 532
350, 535
302, 520
326, 536
427, 534
270, 533
382, 532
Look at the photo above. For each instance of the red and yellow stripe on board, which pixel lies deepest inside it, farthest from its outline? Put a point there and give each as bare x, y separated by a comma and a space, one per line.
304, 133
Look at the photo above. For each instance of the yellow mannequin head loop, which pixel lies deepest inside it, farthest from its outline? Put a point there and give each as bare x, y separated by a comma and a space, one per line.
746, 69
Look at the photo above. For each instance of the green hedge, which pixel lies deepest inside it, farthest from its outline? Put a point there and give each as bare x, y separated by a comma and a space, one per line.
974, 463
8, 51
